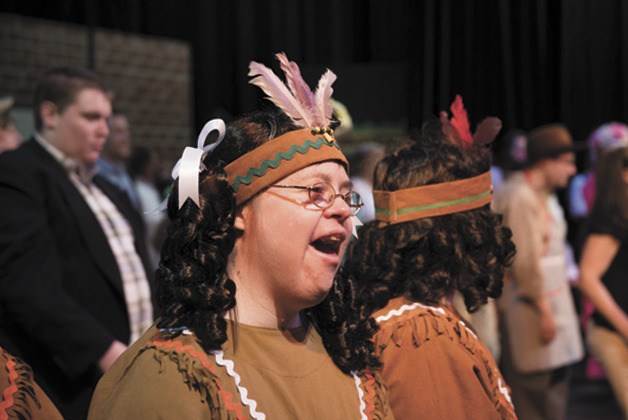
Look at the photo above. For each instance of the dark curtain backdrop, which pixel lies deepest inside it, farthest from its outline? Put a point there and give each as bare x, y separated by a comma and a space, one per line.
527, 61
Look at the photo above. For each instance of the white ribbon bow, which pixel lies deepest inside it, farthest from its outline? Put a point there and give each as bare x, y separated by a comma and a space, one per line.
190, 164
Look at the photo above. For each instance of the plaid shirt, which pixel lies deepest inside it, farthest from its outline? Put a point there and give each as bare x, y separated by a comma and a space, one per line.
121, 240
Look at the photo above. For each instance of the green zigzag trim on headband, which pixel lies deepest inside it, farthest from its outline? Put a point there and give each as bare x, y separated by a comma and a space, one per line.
267, 163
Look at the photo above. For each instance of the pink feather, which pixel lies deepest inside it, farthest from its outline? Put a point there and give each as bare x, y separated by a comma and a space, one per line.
295, 97
279, 94
323, 97
297, 85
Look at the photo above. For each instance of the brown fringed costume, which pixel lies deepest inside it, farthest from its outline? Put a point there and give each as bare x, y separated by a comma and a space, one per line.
434, 236
279, 374
20, 396
431, 350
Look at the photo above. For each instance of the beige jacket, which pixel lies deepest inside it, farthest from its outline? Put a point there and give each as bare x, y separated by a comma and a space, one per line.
539, 268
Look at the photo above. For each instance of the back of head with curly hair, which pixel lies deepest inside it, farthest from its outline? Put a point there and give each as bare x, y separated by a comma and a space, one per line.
430, 258
193, 287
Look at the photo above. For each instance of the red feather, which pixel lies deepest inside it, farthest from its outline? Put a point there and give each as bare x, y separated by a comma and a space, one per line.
460, 122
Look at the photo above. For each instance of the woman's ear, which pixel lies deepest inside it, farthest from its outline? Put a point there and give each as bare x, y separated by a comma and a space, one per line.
241, 217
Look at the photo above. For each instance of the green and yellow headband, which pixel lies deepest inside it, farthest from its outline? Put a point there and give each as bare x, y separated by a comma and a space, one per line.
433, 200
280, 157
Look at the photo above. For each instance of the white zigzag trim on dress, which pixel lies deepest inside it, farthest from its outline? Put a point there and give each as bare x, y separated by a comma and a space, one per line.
503, 390
468, 330
357, 380
252, 404
404, 308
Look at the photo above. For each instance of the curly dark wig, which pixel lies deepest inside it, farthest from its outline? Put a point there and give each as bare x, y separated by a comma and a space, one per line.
427, 259
193, 288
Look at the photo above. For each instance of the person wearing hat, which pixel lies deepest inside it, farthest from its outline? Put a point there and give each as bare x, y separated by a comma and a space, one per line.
541, 338
10, 138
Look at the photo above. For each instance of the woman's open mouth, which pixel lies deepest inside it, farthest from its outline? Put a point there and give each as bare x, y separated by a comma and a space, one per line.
329, 244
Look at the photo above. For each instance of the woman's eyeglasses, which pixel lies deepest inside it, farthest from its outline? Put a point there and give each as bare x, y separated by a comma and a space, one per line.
322, 195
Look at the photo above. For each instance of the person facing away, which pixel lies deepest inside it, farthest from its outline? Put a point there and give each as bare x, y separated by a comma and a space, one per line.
74, 290
540, 337
604, 270
255, 319
115, 155
434, 235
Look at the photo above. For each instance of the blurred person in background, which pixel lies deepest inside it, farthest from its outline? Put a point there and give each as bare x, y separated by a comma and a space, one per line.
10, 138
363, 163
145, 169
510, 157
581, 192
604, 270
580, 197
115, 155
540, 332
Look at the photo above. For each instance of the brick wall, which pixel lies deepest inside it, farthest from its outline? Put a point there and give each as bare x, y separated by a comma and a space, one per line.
151, 77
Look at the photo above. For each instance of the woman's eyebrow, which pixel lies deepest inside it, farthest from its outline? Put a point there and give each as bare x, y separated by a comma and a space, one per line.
327, 178
347, 184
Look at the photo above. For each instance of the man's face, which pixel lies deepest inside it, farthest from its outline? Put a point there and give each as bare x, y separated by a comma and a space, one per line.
559, 170
80, 131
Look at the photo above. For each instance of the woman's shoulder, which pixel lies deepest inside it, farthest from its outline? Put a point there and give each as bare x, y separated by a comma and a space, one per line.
417, 340
162, 375
602, 224
403, 322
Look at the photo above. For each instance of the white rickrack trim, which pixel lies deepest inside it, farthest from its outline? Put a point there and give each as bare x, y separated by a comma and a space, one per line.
228, 364
357, 380
405, 308
503, 390
468, 330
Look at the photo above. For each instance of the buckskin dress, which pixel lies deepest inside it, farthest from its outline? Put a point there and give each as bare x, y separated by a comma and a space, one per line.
435, 367
259, 373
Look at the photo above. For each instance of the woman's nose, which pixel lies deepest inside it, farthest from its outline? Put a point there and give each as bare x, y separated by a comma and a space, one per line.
339, 208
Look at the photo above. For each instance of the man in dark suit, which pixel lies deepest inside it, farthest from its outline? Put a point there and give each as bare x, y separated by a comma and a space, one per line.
74, 289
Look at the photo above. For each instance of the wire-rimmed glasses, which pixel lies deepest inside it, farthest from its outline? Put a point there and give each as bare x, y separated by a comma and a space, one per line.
322, 195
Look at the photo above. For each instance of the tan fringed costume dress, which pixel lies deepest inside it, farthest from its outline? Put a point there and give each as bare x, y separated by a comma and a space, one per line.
269, 374
435, 366
20, 396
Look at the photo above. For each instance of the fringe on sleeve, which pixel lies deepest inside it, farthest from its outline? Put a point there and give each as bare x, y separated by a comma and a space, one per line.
421, 323
199, 373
